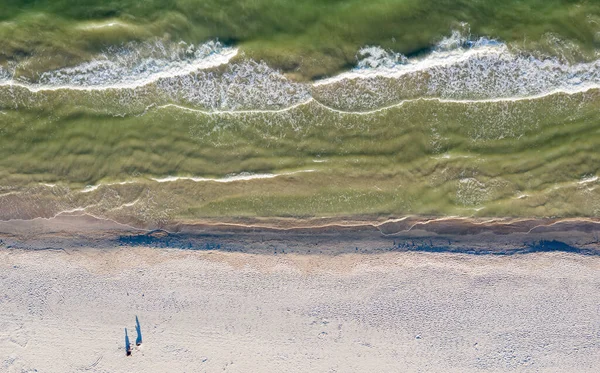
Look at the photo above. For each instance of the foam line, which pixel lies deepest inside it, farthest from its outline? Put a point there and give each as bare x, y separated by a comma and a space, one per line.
228, 179
236, 112
581, 89
91, 188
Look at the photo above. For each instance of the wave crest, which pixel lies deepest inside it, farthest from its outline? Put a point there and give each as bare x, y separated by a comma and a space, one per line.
134, 65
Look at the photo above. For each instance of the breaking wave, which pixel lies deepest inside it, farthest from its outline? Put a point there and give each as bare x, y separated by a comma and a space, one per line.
132, 78
130, 66
456, 69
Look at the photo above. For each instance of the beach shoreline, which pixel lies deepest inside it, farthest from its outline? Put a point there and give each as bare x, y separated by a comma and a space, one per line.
328, 236
416, 294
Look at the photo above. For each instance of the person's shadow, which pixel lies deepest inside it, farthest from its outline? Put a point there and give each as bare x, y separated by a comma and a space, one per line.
127, 344
138, 329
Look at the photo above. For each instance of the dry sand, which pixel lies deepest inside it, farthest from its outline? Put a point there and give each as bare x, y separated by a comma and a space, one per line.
214, 311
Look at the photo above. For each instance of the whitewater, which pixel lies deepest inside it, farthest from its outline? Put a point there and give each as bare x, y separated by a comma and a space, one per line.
215, 79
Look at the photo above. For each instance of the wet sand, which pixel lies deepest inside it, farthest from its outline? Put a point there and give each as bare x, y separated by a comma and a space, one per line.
315, 236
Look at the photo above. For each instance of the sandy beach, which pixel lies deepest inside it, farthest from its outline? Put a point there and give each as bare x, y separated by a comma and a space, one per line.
64, 311
317, 306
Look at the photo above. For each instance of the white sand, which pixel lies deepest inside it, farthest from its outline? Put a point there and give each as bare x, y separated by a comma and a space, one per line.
220, 312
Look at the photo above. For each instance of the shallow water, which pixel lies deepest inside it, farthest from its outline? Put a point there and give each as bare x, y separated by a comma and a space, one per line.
164, 112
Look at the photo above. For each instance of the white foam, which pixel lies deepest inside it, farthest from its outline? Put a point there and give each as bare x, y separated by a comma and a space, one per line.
131, 66
243, 176
390, 65
95, 26
243, 86
455, 69
371, 57
9, 194
588, 180
91, 188
240, 87
363, 112
5, 76
70, 211
238, 112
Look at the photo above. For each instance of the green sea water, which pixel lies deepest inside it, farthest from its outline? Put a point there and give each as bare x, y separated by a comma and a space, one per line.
312, 37
154, 112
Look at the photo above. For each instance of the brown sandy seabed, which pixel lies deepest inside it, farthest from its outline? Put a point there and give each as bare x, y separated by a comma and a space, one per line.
309, 296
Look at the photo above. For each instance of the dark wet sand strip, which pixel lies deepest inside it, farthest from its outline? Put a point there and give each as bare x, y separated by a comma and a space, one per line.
323, 236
